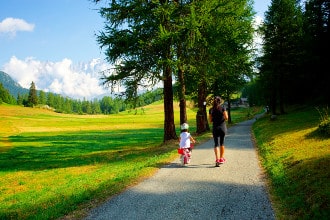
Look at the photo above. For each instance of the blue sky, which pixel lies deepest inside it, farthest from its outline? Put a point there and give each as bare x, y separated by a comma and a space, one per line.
53, 43
59, 29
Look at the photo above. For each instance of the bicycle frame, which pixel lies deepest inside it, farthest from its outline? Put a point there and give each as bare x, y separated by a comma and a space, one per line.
185, 155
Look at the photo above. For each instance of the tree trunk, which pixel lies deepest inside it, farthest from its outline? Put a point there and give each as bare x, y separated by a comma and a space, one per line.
281, 92
273, 97
169, 126
229, 108
201, 116
182, 93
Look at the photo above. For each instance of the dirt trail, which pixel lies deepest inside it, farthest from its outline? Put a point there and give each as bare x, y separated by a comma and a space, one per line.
235, 190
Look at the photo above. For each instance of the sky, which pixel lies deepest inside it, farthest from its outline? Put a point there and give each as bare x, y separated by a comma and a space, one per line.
53, 43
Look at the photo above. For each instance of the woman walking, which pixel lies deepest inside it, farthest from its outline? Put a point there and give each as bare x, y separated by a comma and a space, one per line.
218, 116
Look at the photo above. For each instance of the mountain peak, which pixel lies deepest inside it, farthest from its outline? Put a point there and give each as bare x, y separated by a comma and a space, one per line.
11, 85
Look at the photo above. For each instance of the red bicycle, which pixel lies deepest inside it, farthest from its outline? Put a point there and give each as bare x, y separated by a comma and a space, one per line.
185, 155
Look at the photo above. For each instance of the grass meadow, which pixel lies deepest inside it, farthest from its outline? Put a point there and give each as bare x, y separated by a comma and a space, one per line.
57, 166
297, 159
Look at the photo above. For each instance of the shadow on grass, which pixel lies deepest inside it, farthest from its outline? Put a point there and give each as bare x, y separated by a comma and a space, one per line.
78, 148
304, 192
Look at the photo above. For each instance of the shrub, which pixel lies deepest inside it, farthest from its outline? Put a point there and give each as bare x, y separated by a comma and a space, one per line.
324, 126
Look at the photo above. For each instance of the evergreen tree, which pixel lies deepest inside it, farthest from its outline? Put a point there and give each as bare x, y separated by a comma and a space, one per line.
77, 107
32, 98
156, 40
42, 98
5, 96
231, 48
139, 37
280, 67
96, 108
315, 67
20, 99
51, 99
86, 107
67, 105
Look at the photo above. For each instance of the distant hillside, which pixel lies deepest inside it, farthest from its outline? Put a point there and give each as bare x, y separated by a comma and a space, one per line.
13, 87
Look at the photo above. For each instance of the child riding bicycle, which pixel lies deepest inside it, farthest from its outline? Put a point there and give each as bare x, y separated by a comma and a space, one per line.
186, 142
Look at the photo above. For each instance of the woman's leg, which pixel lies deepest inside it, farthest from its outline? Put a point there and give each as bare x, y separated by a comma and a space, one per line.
217, 153
222, 147
222, 151
216, 145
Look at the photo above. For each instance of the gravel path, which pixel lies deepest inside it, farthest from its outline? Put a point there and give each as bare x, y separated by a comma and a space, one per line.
235, 190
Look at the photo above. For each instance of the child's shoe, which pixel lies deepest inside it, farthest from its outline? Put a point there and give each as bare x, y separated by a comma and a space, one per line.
222, 160
217, 163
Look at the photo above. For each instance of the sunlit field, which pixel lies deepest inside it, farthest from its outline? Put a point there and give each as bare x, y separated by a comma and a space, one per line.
297, 158
53, 164
58, 166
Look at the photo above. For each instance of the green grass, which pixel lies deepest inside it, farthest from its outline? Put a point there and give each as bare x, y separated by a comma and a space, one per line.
240, 113
296, 158
54, 165
57, 166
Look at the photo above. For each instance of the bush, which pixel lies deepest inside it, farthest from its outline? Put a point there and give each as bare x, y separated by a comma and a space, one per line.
324, 126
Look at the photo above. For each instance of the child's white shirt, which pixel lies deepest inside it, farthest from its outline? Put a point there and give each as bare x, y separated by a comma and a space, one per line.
185, 140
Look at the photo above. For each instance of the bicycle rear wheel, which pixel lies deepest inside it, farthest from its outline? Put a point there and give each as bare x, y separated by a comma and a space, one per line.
182, 160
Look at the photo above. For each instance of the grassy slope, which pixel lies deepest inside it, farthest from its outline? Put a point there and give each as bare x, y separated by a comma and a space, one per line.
50, 162
297, 160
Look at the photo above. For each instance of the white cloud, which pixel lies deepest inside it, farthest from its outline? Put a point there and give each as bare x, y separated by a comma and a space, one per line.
258, 20
258, 40
65, 78
12, 25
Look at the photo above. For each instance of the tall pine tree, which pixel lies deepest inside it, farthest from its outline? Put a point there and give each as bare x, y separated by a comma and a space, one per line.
282, 31
33, 97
